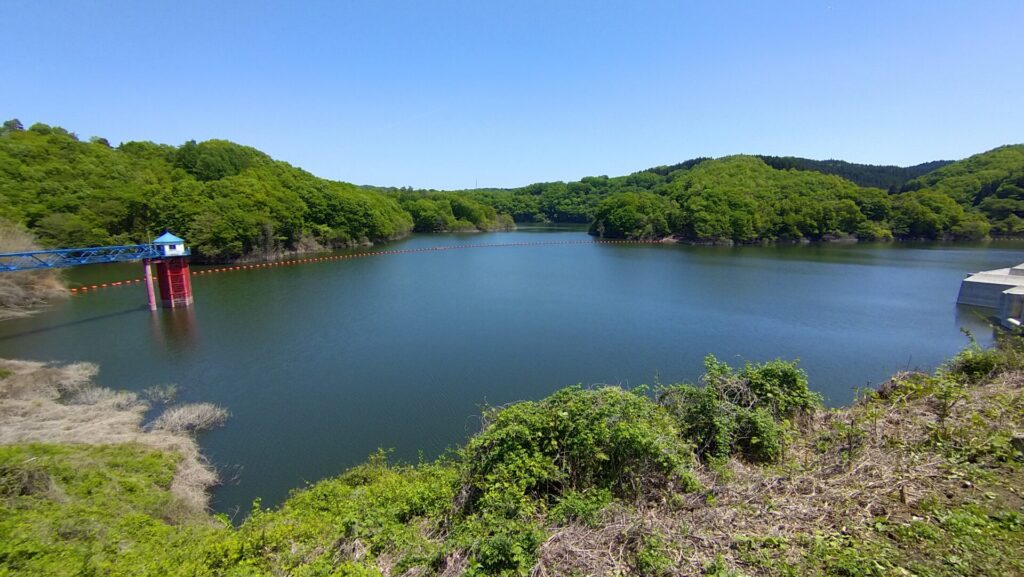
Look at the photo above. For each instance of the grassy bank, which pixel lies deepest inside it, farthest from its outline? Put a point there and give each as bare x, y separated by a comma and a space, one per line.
744, 473
58, 410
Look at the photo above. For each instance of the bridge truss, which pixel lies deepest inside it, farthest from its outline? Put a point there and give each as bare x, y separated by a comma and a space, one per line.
67, 257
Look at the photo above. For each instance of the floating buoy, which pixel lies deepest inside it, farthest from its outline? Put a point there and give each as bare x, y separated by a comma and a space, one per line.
374, 253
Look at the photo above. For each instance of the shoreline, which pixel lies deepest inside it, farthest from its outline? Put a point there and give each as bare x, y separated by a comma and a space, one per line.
858, 476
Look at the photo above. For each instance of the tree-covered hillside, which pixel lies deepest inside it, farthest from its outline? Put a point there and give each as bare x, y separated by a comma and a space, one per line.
741, 199
578, 201
756, 199
766, 198
233, 201
993, 182
446, 211
887, 177
228, 200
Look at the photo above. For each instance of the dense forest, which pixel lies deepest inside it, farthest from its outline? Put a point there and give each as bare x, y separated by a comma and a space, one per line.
232, 201
888, 177
743, 199
992, 182
228, 200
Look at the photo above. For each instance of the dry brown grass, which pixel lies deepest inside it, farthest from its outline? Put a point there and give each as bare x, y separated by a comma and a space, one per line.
190, 418
22, 293
48, 403
832, 482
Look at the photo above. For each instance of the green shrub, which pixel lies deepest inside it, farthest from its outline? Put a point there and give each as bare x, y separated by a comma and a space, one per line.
703, 417
780, 387
349, 569
581, 506
719, 568
385, 507
502, 547
973, 363
744, 413
572, 451
759, 437
651, 558
576, 439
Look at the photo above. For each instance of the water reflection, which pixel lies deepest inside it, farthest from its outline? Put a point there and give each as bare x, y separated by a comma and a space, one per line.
980, 322
175, 330
68, 324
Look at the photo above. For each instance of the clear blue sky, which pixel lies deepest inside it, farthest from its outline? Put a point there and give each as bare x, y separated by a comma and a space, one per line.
448, 94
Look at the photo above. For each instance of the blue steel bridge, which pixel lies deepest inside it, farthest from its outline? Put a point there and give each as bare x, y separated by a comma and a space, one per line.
68, 257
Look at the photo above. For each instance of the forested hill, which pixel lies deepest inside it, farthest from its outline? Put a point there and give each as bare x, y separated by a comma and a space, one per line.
750, 199
871, 175
743, 199
232, 201
993, 182
887, 177
228, 201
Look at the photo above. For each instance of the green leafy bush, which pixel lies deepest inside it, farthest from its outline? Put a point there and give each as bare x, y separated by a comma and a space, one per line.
742, 413
574, 440
580, 506
777, 386
531, 455
703, 417
499, 546
759, 437
650, 559
974, 363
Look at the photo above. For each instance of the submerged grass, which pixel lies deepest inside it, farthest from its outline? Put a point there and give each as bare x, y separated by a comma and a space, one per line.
743, 474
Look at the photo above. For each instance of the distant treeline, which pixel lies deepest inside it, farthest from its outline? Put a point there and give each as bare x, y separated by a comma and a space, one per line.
890, 178
227, 200
753, 199
231, 201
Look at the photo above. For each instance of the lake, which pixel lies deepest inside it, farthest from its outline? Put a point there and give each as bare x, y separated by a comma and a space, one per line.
320, 364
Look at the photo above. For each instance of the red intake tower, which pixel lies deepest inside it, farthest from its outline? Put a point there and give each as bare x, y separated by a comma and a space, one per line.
175, 282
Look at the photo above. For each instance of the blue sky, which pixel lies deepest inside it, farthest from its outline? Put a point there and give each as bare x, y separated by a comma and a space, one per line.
505, 93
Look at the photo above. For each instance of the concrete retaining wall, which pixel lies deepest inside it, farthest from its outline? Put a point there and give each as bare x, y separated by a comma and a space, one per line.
980, 293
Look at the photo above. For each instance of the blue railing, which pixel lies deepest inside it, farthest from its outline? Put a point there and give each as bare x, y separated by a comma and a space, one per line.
66, 257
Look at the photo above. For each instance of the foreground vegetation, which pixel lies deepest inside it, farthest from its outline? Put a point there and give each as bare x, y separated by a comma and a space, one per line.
744, 473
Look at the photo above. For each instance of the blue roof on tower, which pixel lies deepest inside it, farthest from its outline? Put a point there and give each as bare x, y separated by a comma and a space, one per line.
168, 238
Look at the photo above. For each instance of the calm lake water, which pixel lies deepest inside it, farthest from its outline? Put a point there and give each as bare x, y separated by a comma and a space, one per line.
320, 364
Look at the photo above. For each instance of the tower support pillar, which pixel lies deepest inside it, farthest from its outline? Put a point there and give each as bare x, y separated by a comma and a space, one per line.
148, 276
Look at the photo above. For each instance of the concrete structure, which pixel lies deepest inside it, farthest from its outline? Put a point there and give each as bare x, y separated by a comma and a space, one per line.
1001, 290
169, 245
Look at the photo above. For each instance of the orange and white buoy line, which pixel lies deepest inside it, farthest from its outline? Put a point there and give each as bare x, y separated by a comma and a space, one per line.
149, 280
